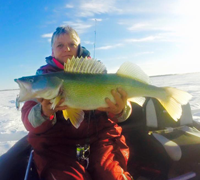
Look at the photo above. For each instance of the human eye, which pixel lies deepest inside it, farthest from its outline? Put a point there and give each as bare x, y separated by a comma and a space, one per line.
60, 45
73, 45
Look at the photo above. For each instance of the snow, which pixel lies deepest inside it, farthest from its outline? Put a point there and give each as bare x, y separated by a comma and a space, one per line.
12, 128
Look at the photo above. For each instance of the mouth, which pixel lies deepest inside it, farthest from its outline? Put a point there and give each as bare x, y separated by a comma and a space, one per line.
68, 56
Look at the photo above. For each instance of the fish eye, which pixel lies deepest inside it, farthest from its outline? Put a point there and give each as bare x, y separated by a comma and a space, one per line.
31, 80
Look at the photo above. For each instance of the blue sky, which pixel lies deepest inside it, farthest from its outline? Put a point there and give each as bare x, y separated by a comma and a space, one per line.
162, 37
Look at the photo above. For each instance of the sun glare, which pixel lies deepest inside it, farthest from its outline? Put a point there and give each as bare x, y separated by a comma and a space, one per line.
189, 30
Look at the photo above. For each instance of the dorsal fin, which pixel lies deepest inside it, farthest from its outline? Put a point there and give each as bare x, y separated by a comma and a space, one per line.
84, 65
131, 70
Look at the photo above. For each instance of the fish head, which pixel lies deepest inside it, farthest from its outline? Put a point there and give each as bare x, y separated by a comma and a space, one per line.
39, 86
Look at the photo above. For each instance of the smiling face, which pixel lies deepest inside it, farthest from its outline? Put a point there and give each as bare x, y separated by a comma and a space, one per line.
64, 48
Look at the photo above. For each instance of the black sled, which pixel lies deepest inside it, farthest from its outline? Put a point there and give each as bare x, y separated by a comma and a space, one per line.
160, 148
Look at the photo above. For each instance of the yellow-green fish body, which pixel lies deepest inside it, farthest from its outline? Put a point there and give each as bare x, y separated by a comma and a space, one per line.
88, 91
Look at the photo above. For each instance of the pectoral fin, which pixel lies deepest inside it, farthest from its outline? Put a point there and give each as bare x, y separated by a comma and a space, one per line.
55, 101
76, 116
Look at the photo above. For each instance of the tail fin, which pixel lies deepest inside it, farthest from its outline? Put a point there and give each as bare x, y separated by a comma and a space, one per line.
173, 100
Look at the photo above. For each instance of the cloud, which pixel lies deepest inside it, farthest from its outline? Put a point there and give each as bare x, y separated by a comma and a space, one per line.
109, 47
159, 37
49, 35
170, 37
163, 29
92, 7
146, 39
153, 23
70, 6
79, 26
154, 26
88, 42
138, 26
147, 7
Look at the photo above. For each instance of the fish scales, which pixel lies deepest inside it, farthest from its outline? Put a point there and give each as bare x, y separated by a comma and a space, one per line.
89, 91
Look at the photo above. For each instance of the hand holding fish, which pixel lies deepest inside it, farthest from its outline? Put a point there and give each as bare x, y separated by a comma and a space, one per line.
47, 107
120, 97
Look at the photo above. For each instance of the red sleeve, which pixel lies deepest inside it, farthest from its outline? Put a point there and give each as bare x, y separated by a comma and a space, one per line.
28, 105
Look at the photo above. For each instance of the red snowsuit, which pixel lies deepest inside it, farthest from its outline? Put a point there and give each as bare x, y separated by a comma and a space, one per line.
54, 143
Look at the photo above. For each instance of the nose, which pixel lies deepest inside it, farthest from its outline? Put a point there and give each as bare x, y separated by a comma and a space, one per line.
67, 48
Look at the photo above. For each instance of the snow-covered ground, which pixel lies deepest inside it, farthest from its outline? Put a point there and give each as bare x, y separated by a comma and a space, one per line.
12, 129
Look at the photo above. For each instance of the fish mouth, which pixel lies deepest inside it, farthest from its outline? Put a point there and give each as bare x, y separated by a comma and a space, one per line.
24, 90
28, 91
22, 85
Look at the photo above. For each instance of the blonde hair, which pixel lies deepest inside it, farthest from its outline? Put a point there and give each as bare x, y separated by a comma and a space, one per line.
66, 30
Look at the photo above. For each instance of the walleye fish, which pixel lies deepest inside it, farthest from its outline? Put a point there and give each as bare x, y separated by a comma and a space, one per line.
84, 85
